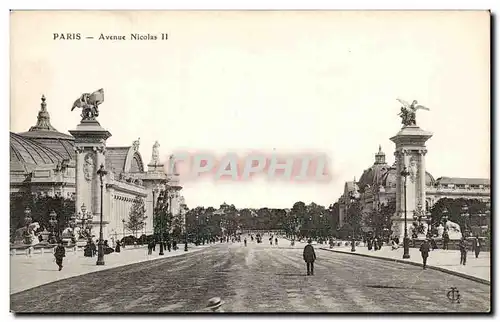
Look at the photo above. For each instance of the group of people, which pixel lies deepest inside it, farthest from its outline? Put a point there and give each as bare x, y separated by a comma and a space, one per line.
275, 240
169, 245
90, 250
463, 246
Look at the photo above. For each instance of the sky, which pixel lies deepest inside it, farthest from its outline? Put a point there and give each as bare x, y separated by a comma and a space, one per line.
288, 82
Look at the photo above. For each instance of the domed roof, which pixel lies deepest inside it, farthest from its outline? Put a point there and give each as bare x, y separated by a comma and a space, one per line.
44, 133
380, 173
28, 151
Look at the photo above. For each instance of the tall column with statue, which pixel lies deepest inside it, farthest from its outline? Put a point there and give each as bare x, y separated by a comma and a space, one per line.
410, 164
90, 147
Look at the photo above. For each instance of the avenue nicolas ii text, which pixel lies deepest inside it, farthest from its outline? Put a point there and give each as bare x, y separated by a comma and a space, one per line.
110, 37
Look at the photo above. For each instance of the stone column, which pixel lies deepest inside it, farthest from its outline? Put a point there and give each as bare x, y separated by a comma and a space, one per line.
90, 145
422, 153
410, 153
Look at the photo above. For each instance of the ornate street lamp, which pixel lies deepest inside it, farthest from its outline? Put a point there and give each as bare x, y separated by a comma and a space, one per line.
27, 216
444, 216
160, 219
100, 251
85, 220
406, 245
353, 200
53, 222
429, 221
465, 216
123, 227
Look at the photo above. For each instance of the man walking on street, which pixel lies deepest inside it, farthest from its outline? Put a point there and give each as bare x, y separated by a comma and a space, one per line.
463, 251
424, 250
477, 246
59, 254
309, 257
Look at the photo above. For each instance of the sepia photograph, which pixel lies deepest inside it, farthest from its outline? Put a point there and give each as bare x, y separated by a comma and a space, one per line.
260, 161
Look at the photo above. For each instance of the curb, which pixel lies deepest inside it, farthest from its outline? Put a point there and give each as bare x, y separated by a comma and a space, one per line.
444, 270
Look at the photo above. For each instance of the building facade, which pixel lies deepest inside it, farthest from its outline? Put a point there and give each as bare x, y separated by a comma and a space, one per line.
43, 161
378, 183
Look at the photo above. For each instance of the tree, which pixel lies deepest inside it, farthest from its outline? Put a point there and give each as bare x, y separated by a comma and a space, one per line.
381, 220
136, 217
354, 217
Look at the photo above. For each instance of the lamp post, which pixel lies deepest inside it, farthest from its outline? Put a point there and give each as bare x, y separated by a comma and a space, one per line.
465, 216
27, 222
444, 216
184, 228
53, 222
85, 220
100, 251
27, 216
160, 219
488, 214
406, 245
352, 201
123, 228
429, 221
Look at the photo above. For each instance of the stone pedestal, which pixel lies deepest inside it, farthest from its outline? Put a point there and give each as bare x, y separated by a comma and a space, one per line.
410, 155
90, 147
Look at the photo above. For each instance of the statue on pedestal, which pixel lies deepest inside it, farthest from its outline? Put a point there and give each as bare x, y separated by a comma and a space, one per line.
89, 103
453, 230
408, 112
155, 157
135, 144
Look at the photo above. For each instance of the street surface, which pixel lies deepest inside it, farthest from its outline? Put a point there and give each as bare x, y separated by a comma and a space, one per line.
257, 278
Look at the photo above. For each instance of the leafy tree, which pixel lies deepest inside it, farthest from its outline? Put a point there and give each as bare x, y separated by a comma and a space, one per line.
137, 215
354, 217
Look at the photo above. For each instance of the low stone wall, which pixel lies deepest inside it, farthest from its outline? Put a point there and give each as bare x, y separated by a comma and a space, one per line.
452, 244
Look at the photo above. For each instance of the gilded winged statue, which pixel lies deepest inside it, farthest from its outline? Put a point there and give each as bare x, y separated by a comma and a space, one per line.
89, 103
408, 112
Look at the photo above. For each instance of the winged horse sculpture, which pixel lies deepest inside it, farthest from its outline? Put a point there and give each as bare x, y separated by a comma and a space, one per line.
408, 111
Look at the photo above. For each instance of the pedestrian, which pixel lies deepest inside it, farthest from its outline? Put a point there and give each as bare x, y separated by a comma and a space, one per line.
463, 251
245, 241
424, 251
118, 246
150, 247
370, 244
309, 257
271, 240
276, 241
93, 248
215, 305
477, 246
59, 254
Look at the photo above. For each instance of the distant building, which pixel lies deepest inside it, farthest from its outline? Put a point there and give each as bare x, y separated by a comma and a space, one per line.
377, 186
